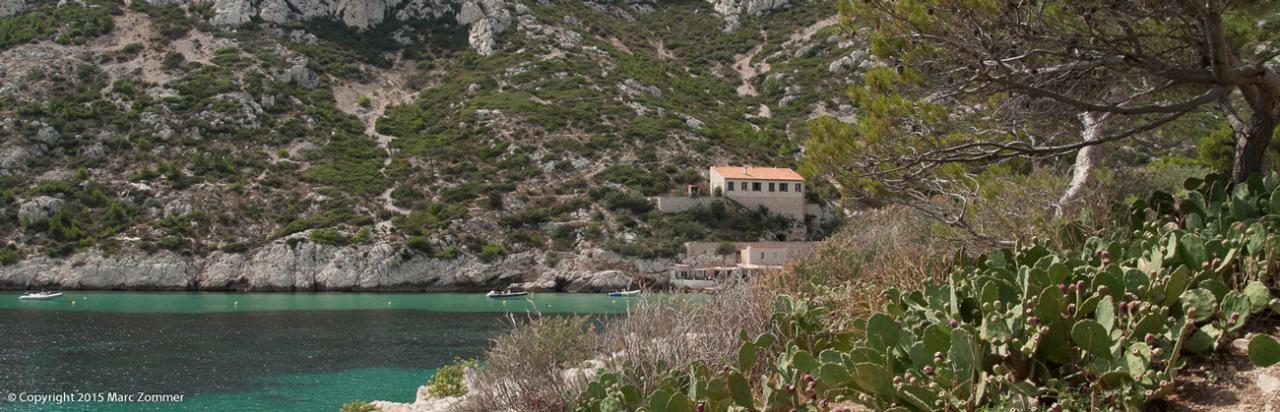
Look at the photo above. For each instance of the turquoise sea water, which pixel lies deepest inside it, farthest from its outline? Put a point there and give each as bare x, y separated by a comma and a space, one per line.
248, 352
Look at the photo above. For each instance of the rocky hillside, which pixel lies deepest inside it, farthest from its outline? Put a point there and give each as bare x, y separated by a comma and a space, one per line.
371, 144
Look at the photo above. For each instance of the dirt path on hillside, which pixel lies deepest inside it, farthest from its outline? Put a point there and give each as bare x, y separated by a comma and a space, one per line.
388, 88
808, 32
661, 48
747, 71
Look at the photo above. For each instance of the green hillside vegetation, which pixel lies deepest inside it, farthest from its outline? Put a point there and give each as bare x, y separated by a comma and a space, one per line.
535, 145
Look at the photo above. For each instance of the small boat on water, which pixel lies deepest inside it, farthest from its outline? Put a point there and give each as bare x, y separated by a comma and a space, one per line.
40, 296
505, 294
624, 293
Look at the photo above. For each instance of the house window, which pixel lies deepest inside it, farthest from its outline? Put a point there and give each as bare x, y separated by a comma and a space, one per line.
755, 186
730, 186
782, 187
770, 186
799, 188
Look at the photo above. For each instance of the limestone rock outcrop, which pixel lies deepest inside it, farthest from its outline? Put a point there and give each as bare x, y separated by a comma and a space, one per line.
734, 10
12, 7
360, 14
485, 19
232, 12
488, 19
38, 210
294, 264
856, 59
599, 270
298, 73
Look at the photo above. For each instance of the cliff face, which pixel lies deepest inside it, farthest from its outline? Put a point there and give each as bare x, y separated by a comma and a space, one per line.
303, 266
359, 14
735, 10
486, 18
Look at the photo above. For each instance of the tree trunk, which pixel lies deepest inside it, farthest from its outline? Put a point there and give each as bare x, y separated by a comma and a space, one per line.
1251, 147
1095, 126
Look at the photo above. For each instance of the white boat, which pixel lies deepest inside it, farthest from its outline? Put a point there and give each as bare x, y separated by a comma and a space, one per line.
624, 293
505, 294
40, 296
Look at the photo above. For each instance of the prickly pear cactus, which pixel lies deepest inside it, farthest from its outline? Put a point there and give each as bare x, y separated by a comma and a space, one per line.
1102, 326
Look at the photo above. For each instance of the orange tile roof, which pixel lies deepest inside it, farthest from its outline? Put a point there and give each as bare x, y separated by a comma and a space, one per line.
757, 173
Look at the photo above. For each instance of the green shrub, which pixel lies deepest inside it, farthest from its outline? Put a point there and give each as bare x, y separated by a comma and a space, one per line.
72, 23
330, 237
9, 255
237, 247
448, 381
362, 235
328, 218
543, 211
494, 201
212, 165
173, 61
146, 174
64, 226
419, 243
448, 252
461, 193
433, 216
563, 237
491, 252
617, 200
228, 57
358, 406
350, 161
131, 48
647, 182
726, 248
208, 81
62, 249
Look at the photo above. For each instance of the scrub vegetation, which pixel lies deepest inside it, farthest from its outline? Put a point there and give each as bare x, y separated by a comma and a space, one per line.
204, 139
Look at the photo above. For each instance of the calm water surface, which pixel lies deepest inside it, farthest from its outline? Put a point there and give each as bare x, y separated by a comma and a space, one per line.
249, 352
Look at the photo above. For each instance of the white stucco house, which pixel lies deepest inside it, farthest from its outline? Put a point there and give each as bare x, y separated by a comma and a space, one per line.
781, 190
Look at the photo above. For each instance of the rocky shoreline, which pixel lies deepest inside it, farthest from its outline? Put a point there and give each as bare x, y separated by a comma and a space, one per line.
301, 266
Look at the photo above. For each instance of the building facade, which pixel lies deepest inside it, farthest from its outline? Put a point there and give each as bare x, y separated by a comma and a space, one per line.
747, 254
780, 190
707, 264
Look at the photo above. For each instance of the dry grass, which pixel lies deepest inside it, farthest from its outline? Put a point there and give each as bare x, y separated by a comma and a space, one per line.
544, 363
524, 370
900, 247
660, 335
879, 249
